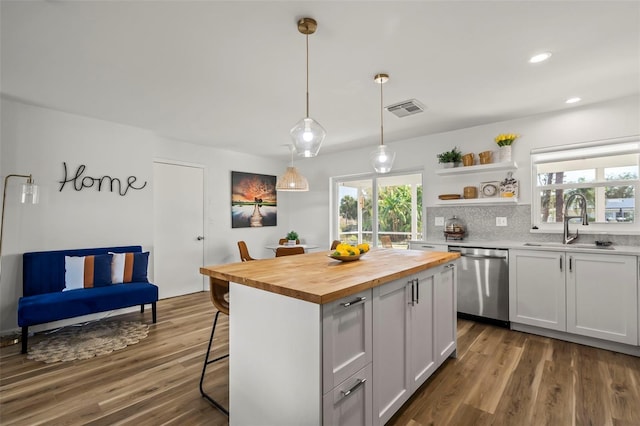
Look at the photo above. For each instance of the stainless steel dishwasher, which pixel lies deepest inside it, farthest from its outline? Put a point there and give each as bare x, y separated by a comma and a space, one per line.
483, 284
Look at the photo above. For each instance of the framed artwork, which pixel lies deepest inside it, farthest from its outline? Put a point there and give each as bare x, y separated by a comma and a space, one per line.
254, 200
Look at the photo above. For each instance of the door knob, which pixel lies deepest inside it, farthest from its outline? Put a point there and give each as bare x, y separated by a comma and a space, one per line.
200, 238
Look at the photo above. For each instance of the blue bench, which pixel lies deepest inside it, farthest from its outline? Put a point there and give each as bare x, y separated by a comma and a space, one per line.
45, 301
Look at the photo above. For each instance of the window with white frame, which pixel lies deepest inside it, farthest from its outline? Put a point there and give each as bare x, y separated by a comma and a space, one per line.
606, 173
382, 210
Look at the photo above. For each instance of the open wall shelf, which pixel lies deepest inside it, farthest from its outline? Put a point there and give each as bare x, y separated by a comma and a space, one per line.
479, 201
481, 168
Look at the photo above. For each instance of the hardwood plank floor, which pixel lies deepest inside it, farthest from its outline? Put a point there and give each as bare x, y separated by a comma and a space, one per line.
500, 377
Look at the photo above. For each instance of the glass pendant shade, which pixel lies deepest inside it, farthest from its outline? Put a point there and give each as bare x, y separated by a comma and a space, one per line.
307, 137
30, 193
382, 159
292, 180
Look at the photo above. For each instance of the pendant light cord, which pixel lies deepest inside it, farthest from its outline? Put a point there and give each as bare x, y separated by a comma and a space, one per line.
307, 37
381, 117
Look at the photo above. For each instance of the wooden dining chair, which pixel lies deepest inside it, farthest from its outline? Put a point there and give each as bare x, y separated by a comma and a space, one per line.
385, 240
244, 252
288, 251
218, 292
334, 244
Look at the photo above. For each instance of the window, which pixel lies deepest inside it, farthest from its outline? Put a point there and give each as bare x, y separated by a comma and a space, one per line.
396, 216
605, 173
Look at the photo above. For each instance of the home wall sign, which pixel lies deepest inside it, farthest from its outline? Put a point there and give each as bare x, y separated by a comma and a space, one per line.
80, 182
253, 200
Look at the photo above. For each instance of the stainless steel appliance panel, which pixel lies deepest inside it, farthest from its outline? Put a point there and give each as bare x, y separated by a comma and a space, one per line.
483, 282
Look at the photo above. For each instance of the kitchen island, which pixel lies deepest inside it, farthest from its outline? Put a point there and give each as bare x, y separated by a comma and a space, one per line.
314, 341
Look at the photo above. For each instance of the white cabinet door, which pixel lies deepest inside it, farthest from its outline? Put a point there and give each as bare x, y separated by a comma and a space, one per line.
422, 356
390, 348
350, 403
346, 338
537, 288
602, 296
415, 245
445, 306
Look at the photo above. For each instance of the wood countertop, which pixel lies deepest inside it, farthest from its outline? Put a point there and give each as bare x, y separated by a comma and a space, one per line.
316, 278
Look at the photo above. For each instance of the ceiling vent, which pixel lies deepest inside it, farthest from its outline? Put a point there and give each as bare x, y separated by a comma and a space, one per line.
405, 108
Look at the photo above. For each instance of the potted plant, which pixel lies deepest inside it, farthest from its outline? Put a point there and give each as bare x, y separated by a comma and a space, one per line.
292, 237
450, 158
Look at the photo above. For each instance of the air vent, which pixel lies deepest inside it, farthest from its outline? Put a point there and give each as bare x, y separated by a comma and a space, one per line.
404, 108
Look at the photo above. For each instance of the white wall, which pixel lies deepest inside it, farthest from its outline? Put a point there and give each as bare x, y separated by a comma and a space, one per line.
612, 119
38, 140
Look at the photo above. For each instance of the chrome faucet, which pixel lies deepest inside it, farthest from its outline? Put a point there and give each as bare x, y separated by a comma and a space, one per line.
582, 205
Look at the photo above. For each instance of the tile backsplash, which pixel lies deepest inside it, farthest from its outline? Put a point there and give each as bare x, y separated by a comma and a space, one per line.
481, 225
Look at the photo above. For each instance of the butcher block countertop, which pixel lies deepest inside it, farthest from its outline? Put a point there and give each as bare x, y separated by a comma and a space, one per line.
316, 278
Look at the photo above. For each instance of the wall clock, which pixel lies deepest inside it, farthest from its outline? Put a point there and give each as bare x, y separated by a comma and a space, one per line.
489, 189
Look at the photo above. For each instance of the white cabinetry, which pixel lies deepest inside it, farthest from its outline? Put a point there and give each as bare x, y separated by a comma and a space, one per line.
418, 245
346, 360
414, 332
586, 294
537, 288
602, 297
346, 338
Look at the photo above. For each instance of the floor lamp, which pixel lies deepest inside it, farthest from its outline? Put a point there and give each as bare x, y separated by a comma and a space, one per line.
29, 196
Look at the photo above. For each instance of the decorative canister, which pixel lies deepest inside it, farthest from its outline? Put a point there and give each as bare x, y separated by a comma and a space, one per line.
486, 157
470, 192
454, 229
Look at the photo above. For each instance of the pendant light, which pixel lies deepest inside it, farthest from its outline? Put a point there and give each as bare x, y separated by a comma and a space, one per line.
292, 180
307, 134
382, 158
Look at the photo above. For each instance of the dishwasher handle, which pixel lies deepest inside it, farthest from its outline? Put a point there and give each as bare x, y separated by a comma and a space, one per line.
481, 256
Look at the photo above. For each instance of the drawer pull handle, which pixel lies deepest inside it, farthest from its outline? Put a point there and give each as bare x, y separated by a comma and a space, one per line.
451, 265
353, 302
353, 388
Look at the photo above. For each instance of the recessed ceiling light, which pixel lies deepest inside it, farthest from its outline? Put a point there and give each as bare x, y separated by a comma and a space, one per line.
540, 57
572, 100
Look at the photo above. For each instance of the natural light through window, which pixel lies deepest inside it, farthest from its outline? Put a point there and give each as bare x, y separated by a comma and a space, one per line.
607, 174
392, 221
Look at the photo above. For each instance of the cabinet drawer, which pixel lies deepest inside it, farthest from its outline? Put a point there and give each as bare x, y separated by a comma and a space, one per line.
350, 403
428, 247
346, 338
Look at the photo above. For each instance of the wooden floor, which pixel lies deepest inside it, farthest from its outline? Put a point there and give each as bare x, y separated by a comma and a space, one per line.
500, 377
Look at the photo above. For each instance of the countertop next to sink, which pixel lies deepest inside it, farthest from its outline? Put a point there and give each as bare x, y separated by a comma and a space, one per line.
544, 245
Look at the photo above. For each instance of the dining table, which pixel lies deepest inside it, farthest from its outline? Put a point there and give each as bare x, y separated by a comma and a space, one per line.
306, 247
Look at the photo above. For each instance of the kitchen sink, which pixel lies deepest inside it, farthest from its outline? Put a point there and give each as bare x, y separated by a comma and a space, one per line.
576, 245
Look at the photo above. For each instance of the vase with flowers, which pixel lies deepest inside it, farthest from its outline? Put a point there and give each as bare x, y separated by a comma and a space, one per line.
504, 141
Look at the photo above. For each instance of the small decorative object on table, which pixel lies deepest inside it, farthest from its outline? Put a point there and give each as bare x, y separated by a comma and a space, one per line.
348, 253
504, 141
509, 186
450, 158
292, 238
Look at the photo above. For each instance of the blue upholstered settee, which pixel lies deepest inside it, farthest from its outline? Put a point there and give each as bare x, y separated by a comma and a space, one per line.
44, 281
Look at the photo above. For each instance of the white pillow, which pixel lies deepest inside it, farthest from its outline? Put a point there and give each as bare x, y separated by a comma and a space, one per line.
117, 267
73, 272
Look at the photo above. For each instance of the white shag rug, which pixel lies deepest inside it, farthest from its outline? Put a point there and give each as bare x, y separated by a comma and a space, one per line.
87, 341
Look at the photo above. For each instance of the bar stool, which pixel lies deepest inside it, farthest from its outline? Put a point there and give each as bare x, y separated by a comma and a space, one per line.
218, 290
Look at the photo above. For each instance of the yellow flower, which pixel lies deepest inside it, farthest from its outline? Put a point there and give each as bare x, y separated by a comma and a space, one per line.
505, 139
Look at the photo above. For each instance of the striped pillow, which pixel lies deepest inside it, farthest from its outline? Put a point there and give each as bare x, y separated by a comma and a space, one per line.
129, 267
87, 271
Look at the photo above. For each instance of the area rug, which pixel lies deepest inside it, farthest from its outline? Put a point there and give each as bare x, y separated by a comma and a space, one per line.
88, 340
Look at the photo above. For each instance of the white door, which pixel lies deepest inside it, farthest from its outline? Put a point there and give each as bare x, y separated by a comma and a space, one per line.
178, 228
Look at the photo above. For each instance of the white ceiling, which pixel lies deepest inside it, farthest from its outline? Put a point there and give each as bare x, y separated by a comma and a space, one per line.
232, 74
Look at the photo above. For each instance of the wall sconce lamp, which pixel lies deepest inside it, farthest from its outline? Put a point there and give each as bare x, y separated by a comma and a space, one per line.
29, 196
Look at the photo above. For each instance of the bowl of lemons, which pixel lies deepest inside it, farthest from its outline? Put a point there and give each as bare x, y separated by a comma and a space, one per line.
348, 253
